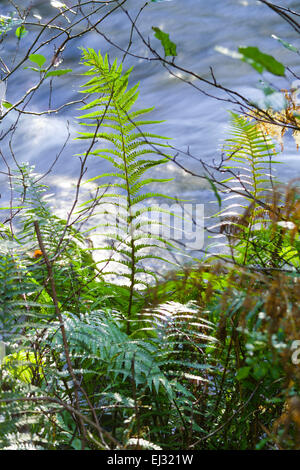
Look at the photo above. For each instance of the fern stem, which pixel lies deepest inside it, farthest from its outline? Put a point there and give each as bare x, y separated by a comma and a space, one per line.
129, 205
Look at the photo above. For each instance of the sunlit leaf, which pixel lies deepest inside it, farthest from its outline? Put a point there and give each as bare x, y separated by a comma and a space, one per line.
38, 59
6, 104
21, 31
23, 365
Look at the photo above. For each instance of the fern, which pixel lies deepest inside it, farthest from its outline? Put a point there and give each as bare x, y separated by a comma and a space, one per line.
253, 153
250, 156
128, 145
17, 291
161, 359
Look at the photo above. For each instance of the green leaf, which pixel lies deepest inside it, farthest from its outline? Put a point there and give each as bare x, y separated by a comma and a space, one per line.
242, 373
21, 31
58, 73
287, 45
76, 444
260, 370
6, 104
38, 59
168, 45
260, 61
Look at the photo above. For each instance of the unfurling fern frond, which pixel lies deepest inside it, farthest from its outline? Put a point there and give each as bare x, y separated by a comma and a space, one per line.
127, 148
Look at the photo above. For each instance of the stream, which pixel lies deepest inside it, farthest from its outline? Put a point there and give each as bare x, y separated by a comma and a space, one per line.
192, 120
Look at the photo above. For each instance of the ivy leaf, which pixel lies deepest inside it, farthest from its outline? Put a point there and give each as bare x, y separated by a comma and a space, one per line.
168, 45
38, 59
57, 73
21, 31
261, 61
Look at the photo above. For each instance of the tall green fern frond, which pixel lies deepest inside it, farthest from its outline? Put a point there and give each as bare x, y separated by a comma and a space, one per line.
119, 128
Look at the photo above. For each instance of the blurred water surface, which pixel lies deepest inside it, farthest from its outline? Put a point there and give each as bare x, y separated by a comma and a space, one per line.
192, 119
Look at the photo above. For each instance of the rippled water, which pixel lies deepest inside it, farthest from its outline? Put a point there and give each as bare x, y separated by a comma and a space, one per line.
192, 119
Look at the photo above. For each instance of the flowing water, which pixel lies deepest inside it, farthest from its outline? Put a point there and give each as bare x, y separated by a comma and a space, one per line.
193, 120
